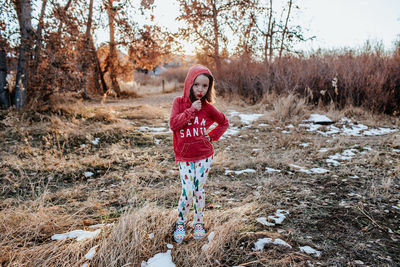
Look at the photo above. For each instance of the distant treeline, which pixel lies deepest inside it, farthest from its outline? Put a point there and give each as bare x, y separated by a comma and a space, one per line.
369, 79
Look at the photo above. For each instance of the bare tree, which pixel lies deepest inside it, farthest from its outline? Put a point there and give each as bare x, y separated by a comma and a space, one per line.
39, 39
4, 94
112, 55
24, 10
285, 27
204, 19
278, 36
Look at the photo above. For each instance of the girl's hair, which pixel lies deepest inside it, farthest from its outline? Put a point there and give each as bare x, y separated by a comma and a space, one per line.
210, 95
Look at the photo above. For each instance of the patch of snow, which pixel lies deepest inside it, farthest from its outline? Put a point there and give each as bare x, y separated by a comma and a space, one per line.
85, 264
380, 131
281, 243
271, 170
318, 118
319, 170
309, 250
333, 162
170, 246
95, 141
397, 207
83, 145
88, 174
264, 221
354, 130
279, 217
290, 126
157, 141
249, 118
311, 127
231, 131
263, 125
346, 155
396, 150
323, 150
78, 234
331, 131
240, 172
91, 253
210, 239
159, 260
285, 132
349, 152
151, 236
259, 245
154, 130
300, 169
305, 144
349, 128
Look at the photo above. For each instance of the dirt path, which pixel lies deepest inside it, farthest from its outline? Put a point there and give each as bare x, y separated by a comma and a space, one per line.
152, 100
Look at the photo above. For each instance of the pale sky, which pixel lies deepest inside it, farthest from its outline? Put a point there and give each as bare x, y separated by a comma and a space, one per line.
335, 23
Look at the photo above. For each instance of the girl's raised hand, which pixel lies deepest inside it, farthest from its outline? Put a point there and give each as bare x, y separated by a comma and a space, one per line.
197, 104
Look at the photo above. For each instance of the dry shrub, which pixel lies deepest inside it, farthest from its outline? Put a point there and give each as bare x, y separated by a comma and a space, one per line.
146, 112
100, 115
25, 230
130, 88
289, 107
147, 79
367, 78
129, 242
62, 104
175, 74
61, 253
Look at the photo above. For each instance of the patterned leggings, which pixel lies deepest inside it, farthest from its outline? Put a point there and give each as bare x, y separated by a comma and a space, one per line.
193, 177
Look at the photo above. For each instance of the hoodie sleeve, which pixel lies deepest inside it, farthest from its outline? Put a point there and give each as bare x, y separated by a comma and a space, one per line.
222, 122
179, 120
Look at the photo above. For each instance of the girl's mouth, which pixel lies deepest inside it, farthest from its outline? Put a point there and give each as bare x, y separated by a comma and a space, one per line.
200, 95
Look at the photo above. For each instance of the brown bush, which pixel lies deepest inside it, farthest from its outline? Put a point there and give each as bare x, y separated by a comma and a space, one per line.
369, 79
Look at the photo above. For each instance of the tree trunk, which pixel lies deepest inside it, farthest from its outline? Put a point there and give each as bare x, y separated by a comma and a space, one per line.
271, 41
268, 37
21, 82
39, 37
97, 68
216, 37
112, 54
285, 29
86, 49
4, 93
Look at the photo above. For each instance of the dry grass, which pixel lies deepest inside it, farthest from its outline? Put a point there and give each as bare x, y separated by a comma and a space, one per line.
365, 79
45, 191
289, 107
145, 84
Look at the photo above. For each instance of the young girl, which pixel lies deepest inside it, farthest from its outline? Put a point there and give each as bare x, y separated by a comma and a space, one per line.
192, 114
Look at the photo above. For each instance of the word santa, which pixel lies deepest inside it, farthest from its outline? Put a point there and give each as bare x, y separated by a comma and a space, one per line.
194, 131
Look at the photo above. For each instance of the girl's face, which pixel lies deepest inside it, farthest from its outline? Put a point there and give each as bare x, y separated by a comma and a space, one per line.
200, 86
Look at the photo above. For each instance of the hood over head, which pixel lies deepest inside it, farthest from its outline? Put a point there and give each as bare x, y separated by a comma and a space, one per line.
193, 72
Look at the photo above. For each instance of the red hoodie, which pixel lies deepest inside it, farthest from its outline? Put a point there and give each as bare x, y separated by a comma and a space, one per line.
190, 126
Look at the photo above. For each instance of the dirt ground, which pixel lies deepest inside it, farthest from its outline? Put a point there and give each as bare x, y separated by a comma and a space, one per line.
90, 163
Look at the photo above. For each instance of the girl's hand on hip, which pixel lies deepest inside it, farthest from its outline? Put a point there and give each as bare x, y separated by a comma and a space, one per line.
197, 104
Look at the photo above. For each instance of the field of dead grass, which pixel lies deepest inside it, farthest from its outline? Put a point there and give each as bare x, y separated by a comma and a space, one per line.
110, 167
